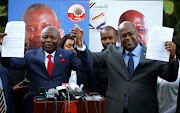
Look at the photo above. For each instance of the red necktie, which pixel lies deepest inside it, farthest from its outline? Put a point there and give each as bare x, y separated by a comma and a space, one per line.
50, 65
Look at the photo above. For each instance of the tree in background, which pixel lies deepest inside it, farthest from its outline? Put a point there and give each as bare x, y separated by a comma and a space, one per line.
3, 14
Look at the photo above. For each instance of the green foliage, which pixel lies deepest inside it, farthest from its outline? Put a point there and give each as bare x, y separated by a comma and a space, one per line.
171, 15
168, 7
3, 14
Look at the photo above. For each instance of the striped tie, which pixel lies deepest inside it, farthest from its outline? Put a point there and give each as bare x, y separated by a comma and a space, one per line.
2, 106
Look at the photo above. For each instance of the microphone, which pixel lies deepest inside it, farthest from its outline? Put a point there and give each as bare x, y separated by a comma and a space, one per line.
52, 94
85, 90
74, 87
62, 90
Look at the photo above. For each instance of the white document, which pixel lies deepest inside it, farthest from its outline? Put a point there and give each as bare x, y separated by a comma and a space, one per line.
13, 42
156, 49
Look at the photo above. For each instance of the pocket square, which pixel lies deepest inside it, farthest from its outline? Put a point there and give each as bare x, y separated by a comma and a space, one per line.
62, 60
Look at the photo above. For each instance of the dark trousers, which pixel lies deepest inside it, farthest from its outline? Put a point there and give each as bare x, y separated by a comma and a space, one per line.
125, 111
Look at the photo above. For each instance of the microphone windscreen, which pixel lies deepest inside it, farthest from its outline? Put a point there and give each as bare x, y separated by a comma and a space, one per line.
74, 87
53, 91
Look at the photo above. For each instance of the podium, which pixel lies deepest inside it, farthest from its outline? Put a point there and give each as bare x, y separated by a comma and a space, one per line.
74, 106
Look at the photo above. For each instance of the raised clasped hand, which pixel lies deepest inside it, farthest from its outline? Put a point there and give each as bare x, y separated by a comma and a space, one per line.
77, 33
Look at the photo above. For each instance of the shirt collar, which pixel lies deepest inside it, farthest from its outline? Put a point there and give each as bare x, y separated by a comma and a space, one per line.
46, 54
136, 51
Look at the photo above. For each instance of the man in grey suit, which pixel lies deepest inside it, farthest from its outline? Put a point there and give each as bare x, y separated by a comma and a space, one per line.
131, 77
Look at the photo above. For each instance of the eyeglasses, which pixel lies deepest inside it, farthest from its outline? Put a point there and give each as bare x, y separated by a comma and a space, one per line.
130, 34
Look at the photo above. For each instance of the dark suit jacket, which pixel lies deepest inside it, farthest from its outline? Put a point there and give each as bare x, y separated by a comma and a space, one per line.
33, 62
101, 79
7, 90
141, 86
16, 76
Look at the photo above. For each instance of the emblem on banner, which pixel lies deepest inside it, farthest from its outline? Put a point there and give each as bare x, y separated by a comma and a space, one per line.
76, 13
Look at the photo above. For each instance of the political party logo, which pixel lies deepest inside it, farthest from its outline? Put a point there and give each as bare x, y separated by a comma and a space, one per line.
70, 107
76, 12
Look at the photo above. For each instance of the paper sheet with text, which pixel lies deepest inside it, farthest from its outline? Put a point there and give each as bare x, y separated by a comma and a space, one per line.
156, 49
13, 42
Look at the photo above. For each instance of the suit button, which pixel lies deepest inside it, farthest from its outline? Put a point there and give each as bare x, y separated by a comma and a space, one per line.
124, 95
129, 82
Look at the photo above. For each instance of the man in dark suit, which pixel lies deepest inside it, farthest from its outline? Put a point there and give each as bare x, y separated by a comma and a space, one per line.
6, 89
50, 65
108, 36
131, 77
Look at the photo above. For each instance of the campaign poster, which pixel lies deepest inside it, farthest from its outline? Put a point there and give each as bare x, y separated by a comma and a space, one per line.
68, 13
145, 15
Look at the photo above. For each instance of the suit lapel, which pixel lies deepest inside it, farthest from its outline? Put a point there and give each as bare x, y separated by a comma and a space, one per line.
41, 56
122, 63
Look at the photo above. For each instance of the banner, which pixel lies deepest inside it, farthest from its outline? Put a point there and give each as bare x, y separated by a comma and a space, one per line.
144, 14
68, 12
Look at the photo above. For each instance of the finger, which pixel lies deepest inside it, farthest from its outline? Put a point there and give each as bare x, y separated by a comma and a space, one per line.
74, 35
26, 80
4, 34
77, 27
168, 43
24, 86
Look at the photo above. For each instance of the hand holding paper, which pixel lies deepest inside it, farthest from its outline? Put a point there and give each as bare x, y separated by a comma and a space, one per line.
170, 46
2, 36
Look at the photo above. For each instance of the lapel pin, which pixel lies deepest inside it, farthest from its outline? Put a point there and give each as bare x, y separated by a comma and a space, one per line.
60, 55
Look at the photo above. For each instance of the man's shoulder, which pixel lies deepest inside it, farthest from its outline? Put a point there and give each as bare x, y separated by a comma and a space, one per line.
114, 48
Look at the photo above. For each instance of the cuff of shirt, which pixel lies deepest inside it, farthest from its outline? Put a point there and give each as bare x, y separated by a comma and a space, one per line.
172, 60
81, 48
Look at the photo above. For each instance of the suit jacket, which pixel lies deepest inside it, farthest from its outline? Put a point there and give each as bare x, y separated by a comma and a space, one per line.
7, 90
16, 76
140, 86
33, 62
101, 79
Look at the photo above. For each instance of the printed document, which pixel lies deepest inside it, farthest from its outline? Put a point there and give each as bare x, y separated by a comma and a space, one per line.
13, 42
156, 49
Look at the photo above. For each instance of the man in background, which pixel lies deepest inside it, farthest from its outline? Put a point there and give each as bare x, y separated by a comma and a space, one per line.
140, 23
37, 17
108, 36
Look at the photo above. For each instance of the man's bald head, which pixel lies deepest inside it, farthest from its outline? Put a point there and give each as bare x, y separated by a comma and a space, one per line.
50, 39
128, 35
37, 6
140, 23
126, 25
51, 29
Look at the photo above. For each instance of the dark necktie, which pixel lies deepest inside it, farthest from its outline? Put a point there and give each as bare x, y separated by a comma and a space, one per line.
130, 64
130, 70
2, 106
50, 65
